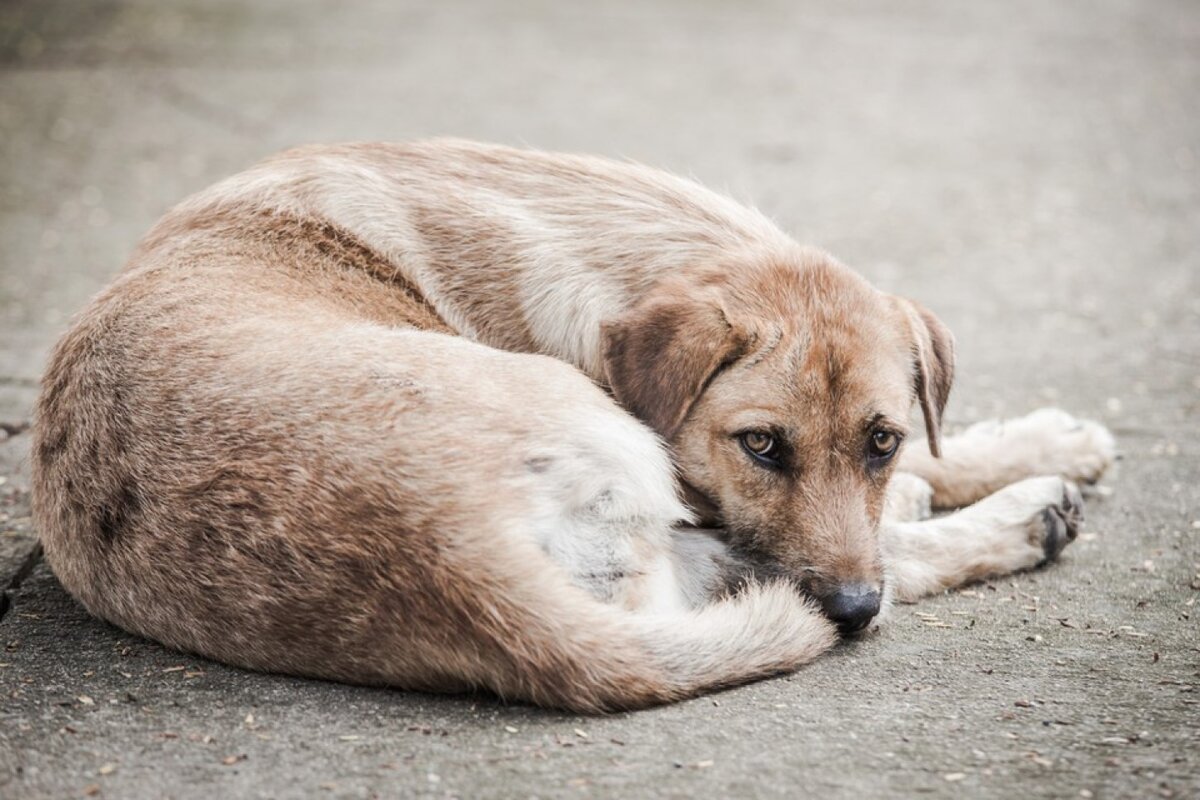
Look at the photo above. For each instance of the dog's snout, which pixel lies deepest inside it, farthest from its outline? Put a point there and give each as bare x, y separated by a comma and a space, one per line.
852, 606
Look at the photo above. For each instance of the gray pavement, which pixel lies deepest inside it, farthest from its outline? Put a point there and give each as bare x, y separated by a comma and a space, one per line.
1030, 170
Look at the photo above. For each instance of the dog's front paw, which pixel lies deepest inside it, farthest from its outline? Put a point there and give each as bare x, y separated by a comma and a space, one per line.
1050, 441
1061, 521
1032, 520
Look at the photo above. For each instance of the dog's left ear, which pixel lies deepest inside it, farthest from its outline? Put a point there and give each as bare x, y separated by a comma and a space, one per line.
660, 355
933, 352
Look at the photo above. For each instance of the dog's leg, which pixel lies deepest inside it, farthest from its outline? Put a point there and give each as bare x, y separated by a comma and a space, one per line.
1022, 526
991, 455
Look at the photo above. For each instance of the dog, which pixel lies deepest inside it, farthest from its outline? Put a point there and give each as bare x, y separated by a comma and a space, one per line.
448, 416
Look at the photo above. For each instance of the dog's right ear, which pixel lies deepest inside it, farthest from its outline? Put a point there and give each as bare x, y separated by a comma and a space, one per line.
660, 355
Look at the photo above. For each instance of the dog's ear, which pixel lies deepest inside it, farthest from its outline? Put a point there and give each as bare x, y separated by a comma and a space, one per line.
933, 352
660, 355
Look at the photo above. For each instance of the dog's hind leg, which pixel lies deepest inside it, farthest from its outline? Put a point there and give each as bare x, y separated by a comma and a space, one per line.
1020, 527
990, 455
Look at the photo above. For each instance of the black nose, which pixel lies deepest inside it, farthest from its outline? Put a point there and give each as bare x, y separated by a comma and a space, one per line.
852, 606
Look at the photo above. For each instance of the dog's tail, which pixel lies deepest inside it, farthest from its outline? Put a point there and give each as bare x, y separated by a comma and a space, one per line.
597, 657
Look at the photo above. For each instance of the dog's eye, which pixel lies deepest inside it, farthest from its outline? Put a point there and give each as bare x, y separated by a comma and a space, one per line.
761, 446
883, 444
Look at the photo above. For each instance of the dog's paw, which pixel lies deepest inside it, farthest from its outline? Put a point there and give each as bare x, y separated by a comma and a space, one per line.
1040, 517
909, 498
1061, 521
1050, 441
1025, 525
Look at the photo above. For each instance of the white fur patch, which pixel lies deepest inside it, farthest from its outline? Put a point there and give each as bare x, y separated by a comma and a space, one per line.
605, 501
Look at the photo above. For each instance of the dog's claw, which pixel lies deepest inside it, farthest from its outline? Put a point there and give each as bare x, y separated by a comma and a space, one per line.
1062, 522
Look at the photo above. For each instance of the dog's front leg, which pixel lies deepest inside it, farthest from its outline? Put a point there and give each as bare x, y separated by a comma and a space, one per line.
990, 455
1022, 526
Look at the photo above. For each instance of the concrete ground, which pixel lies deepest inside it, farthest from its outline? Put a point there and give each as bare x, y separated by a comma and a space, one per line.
1029, 170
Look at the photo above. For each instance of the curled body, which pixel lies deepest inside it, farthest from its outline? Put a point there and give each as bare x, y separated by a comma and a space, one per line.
447, 416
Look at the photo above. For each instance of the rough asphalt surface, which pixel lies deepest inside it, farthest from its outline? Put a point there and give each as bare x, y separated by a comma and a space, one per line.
1029, 170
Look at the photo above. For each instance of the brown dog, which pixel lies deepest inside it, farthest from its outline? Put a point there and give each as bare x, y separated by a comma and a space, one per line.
341, 416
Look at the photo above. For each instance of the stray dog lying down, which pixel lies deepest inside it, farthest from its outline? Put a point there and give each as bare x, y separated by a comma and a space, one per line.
448, 416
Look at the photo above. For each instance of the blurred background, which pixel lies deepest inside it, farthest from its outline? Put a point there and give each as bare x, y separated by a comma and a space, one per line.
1030, 170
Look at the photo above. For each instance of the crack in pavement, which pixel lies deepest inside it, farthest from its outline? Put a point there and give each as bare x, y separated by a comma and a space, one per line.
14, 583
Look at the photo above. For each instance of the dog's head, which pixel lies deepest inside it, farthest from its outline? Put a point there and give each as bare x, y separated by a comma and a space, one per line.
785, 392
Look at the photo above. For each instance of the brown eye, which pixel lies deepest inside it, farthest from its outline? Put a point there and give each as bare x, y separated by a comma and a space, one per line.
883, 444
761, 446
759, 443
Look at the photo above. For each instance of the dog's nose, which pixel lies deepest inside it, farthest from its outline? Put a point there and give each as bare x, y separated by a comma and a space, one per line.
852, 606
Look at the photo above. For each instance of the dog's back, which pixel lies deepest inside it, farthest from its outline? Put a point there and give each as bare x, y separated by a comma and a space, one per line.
520, 250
